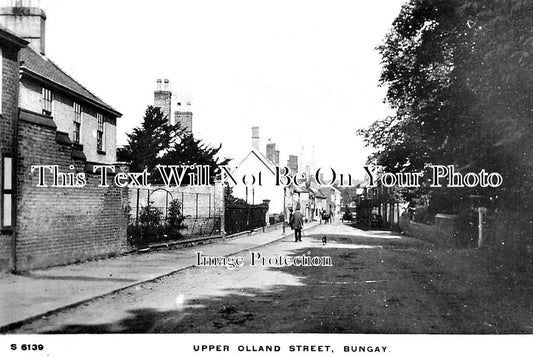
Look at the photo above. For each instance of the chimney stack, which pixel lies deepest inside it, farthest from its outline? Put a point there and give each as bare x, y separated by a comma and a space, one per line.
292, 163
276, 157
26, 20
184, 117
163, 99
255, 137
271, 152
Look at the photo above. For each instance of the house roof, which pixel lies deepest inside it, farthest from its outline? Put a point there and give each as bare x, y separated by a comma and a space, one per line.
335, 189
256, 153
9, 36
317, 193
299, 189
41, 67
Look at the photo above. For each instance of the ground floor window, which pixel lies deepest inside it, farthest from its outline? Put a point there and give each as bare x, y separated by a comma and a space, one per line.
7, 192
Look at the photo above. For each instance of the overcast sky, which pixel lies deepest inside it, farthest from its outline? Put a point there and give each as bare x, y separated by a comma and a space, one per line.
306, 72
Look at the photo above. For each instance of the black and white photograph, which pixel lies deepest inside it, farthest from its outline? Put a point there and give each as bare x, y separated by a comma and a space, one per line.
266, 177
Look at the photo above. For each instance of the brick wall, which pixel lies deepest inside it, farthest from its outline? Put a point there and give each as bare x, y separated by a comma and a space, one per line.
430, 233
63, 225
10, 73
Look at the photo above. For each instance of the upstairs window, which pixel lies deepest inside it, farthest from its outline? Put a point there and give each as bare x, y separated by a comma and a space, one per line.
77, 123
47, 102
100, 132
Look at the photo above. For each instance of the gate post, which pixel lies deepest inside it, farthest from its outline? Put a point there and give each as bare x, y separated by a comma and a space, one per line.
481, 212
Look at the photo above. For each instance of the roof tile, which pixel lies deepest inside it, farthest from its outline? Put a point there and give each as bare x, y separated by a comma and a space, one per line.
44, 67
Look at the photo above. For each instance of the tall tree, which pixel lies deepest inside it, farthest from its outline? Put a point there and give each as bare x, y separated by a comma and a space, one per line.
148, 143
191, 151
157, 142
455, 74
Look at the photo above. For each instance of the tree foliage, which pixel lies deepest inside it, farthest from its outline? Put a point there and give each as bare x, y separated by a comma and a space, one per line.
458, 74
158, 142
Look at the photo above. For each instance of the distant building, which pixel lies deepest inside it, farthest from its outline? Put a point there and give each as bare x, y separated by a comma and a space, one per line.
255, 163
333, 199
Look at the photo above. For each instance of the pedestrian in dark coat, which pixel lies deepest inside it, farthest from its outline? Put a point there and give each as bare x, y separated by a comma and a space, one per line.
297, 224
290, 218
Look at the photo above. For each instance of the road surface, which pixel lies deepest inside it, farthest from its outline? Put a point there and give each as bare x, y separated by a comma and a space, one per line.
379, 282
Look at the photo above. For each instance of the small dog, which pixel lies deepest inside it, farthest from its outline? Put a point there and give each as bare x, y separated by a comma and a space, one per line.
324, 240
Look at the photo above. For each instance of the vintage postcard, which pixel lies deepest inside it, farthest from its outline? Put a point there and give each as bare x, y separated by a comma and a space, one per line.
266, 177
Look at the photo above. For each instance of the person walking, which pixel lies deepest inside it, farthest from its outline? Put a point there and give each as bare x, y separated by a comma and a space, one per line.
290, 218
297, 223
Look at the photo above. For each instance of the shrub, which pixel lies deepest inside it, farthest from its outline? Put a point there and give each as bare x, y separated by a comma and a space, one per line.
149, 227
174, 220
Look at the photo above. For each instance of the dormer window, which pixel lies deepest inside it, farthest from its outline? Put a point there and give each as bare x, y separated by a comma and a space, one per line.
47, 102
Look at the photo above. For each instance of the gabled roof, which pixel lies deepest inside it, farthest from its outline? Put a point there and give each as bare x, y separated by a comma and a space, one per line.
41, 67
255, 153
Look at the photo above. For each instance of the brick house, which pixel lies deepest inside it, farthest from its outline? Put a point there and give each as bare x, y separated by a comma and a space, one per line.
10, 46
52, 120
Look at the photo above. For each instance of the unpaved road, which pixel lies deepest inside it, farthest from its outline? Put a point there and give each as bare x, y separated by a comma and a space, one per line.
379, 283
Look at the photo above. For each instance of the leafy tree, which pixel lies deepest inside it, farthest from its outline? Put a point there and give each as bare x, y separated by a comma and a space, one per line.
158, 142
455, 74
148, 143
191, 151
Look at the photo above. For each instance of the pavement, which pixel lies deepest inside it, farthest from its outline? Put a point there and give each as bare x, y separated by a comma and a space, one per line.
38, 293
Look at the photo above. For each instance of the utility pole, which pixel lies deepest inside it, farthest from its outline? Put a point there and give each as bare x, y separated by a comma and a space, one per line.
284, 209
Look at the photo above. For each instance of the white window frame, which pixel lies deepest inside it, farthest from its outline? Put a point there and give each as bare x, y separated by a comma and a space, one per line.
47, 97
100, 127
76, 129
